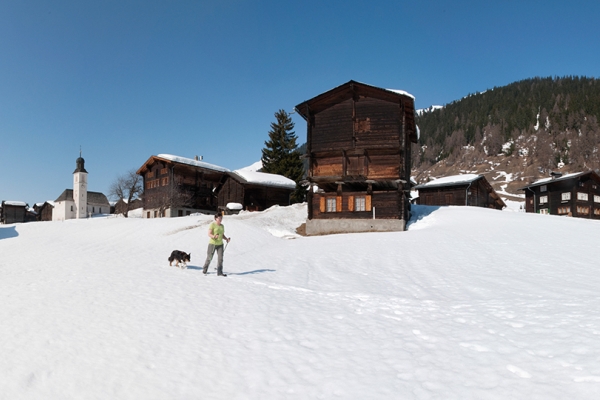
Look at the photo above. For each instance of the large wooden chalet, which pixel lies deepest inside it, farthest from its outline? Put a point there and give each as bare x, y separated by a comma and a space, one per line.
177, 186
576, 195
359, 151
459, 190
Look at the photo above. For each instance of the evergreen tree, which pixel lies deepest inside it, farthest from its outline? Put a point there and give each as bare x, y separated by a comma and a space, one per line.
281, 155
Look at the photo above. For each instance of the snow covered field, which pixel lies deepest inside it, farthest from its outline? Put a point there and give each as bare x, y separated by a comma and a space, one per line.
469, 303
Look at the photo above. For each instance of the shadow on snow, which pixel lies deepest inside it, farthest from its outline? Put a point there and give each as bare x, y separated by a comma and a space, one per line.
256, 271
9, 232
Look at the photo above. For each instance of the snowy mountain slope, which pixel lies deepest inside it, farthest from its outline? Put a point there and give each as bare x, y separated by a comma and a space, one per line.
469, 303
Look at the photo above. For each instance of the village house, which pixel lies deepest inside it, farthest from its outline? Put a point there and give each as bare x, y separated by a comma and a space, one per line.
254, 191
176, 186
44, 210
573, 195
359, 141
120, 206
79, 202
459, 190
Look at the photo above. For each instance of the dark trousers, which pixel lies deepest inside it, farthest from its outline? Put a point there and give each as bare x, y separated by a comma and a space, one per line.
209, 256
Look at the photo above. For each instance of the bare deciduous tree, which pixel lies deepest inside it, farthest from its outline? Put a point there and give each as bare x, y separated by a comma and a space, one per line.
127, 187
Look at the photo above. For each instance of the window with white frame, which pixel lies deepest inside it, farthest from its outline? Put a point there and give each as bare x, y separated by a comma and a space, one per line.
596, 199
543, 188
566, 196
544, 211
360, 204
543, 199
582, 196
331, 204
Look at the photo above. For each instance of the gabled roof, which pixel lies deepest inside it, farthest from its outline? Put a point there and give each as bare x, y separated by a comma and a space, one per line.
92, 197
263, 179
14, 203
454, 180
574, 175
353, 89
171, 159
461, 180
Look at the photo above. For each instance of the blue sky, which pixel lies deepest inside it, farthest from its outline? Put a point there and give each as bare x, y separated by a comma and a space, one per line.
125, 80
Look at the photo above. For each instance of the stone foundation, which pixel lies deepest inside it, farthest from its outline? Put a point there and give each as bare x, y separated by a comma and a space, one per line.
329, 226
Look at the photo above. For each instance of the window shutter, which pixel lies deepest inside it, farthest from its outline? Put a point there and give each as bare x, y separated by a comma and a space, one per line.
322, 204
338, 203
350, 203
368, 202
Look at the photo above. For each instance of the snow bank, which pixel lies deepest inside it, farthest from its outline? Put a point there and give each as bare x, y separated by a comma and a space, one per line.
469, 303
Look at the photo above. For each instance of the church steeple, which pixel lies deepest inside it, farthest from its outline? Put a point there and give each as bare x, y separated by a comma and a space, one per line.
80, 188
80, 161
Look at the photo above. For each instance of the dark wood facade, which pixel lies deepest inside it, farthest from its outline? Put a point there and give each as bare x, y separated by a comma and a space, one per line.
359, 150
176, 186
252, 196
461, 191
575, 195
121, 206
44, 211
13, 212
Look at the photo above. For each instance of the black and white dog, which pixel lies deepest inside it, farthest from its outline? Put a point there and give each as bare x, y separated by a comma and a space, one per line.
180, 257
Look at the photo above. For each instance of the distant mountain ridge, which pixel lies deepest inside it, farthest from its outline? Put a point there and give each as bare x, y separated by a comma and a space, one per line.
513, 134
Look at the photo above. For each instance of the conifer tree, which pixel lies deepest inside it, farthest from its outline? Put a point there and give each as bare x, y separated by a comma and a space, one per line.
280, 154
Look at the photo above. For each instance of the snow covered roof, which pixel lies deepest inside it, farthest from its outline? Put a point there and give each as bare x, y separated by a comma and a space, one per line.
262, 178
560, 178
450, 181
190, 161
254, 167
92, 197
15, 203
402, 92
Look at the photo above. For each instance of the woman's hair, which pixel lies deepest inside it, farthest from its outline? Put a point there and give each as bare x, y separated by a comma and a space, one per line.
218, 215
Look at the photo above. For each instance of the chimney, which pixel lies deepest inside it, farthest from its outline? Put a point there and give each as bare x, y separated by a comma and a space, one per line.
555, 174
198, 158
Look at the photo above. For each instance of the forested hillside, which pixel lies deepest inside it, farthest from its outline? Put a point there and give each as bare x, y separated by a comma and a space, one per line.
524, 129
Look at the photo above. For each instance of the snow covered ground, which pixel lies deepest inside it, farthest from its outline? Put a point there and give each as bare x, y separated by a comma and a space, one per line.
469, 303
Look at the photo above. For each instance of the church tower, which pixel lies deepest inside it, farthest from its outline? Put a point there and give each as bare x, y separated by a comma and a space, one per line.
80, 188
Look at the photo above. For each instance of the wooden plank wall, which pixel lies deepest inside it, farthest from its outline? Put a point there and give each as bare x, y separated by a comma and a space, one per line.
386, 204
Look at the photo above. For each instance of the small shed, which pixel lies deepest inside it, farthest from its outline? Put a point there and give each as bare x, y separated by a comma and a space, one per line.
459, 190
13, 212
255, 191
121, 205
44, 210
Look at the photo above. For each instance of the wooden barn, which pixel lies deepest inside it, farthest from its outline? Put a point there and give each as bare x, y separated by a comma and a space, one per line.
255, 191
359, 152
13, 212
573, 195
177, 186
121, 206
459, 190
44, 211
